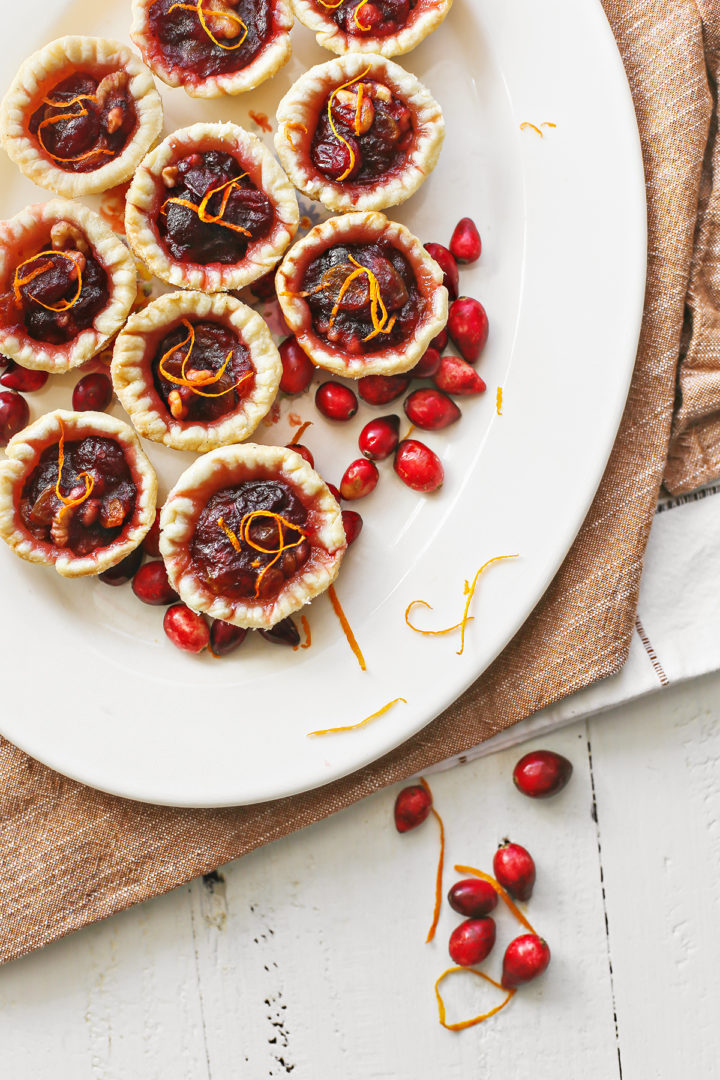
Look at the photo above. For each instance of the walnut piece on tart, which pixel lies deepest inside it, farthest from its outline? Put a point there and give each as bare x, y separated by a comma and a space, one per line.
76, 492
213, 47
80, 115
210, 209
359, 133
387, 27
250, 534
196, 372
362, 295
66, 285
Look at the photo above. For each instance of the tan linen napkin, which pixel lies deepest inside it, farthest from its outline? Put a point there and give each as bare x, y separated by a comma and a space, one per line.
70, 855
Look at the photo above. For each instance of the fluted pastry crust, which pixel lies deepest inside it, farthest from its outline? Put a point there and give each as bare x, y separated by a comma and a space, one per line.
425, 17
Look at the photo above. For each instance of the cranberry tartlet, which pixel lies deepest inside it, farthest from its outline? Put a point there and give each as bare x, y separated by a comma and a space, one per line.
66, 285
250, 534
80, 115
196, 372
388, 27
76, 492
359, 133
213, 47
210, 209
362, 295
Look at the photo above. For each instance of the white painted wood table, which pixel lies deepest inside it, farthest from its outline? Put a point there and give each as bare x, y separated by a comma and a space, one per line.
307, 957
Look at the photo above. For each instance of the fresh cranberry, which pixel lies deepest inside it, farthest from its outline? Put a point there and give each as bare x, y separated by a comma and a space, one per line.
151, 585
468, 327
440, 341
334, 492
525, 958
26, 380
379, 438
412, 806
431, 410
427, 365
352, 524
297, 370
123, 571
93, 393
264, 287
284, 632
456, 376
359, 479
472, 941
225, 637
303, 452
186, 629
465, 243
542, 773
472, 897
382, 389
418, 466
336, 401
151, 543
446, 262
14, 415
515, 869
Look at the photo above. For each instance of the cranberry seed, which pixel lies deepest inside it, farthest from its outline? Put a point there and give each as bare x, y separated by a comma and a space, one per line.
412, 806
542, 773
465, 243
514, 868
14, 415
418, 466
472, 941
431, 410
525, 958
379, 438
151, 585
335, 401
472, 897
186, 629
468, 327
359, 479
297, 369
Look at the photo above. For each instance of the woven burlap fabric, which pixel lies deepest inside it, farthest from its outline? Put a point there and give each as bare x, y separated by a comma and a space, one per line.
70, 855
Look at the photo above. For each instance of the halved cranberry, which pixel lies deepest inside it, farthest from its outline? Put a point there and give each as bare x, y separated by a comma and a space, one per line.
446, 262
284, 632
382, 389
472, 897
465, 242
412, 806
379, 438
352, 524
525, 958
151, 543
359, 479
26, 380
440, 341
468, 327
418, 466
336, 401
225, 637
151, 585
303, 452
186, 629
123, 571
93, 393
472, 941
456, 376
431, 410
427, 365
297, 370
14, 415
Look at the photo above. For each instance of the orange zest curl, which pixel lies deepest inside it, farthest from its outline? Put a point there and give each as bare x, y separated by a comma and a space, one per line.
230, 534
299, 433
244, 536
89, 481
50, 120
335, 131
201, 13
462, 1024
441, 864
527, 125
201, 209
64, 305
353, 727
308, 635
358, 107
378, 311
206, 378
330, 7
292, 125
342, 618
500, 891
499, 401
359, 25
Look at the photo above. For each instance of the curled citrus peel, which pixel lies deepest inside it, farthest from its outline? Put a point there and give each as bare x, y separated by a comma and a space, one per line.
362, 723
378, 311
293, 125
299, 433
357, 22
462, 1024
499, 401
201, 209
89, 481
200, 379
500, 891
201, 13
306, 630
342, 618
18, 282
335, 131
441, 863
244, 537
49, 121
469, 592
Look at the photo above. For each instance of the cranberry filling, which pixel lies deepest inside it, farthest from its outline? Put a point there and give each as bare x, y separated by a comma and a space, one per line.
96, 521
220, 231
84, 122
49, 303
211, 346
376, 126
371, 18
248, 572
184, 43
351, 324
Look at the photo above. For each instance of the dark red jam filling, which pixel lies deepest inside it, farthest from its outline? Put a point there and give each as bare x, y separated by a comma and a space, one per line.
211, 347
242, 574
84, 122
100, 518
375, 18
351, 324
187, 236
184, 43
47, 302
377, 129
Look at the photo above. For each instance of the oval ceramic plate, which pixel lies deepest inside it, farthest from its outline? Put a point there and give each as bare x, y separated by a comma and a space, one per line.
93, 688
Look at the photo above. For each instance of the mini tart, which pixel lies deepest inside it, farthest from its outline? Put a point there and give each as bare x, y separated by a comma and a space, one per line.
108, 486
217, 243
388, 27
265, 494
232, 47
362, 295
66, 285
207, 335
80, 115
384, 140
